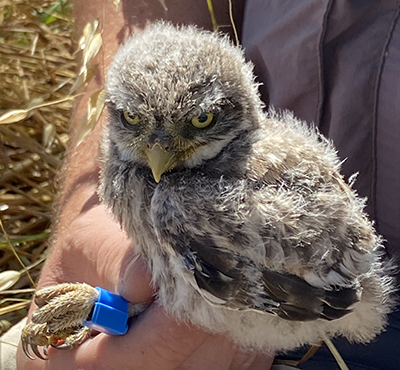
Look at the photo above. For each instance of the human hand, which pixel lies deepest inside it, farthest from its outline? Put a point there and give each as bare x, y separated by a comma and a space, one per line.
96, 251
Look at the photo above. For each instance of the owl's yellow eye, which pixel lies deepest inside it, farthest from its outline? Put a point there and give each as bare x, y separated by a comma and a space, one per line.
131, 119
202, 120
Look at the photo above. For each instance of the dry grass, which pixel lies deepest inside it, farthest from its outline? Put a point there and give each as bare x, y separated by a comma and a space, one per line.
37, 65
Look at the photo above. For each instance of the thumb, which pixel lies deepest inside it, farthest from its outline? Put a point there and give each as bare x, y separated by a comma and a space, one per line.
134, 283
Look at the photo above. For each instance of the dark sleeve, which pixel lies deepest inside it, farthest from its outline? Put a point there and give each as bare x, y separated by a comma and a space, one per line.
336, 64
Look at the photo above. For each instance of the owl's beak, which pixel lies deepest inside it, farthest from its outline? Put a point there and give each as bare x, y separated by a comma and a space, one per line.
159, 160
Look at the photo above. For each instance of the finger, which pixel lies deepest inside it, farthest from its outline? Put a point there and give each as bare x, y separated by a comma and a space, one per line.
220, 353
154, 342
92, 251
134, 282
216, 353
251, 361
97, 252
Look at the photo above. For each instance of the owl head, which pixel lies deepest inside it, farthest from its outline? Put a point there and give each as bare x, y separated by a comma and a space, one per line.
178, 96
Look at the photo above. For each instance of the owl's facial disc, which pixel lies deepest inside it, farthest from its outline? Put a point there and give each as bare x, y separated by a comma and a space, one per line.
160, 160
165, 146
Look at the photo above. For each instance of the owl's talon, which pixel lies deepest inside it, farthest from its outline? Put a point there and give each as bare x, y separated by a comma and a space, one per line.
36, 351
63, 346
62, 310
28, 343
25, 348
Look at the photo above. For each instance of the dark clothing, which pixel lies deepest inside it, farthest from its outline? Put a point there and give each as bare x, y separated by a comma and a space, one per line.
337, 64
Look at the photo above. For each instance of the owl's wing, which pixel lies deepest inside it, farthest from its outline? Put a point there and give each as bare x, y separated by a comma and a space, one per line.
226, 278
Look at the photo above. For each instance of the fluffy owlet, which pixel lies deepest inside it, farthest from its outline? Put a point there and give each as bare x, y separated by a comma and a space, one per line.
247, 225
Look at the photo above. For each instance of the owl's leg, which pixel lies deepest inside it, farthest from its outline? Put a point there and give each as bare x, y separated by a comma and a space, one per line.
65, 309
58, 320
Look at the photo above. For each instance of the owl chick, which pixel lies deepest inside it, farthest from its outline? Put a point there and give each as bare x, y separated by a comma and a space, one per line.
245, 221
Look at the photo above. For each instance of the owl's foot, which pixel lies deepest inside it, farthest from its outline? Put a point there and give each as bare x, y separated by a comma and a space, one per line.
58, 320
